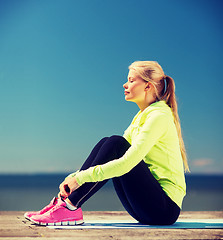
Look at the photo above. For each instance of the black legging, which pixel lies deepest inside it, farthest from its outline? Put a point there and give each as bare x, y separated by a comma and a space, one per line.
139, 192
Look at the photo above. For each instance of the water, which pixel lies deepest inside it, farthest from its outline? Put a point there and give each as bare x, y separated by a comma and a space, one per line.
32, 192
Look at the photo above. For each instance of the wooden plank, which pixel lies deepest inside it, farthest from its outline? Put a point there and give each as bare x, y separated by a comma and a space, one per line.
14, 226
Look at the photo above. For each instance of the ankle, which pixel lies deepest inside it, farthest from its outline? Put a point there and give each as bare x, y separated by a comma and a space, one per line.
70, 204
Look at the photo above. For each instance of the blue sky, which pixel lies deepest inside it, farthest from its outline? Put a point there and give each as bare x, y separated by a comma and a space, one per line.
63, 64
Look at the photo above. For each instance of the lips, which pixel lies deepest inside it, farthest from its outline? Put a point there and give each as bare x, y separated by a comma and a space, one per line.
126, 92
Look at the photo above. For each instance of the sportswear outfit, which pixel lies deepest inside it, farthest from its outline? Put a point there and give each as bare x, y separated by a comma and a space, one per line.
146, 168
145, 165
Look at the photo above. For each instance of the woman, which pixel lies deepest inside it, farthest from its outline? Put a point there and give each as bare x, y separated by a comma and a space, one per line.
146, 164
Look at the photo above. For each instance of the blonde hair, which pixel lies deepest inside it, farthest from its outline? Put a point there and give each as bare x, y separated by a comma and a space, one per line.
151, 71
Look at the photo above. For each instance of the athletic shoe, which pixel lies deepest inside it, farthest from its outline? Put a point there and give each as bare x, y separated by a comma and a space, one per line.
59, 215
53, 202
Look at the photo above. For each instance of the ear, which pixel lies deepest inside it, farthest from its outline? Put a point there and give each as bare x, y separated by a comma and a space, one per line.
148, 86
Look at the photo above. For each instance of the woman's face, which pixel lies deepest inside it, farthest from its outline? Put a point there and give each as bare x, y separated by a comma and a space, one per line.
135, 87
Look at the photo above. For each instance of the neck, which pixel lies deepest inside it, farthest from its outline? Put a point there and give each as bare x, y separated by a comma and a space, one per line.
147, 100
143, 105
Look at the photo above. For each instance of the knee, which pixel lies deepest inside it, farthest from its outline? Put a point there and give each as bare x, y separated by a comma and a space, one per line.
117, 140
118, 144
102, 141
114, 139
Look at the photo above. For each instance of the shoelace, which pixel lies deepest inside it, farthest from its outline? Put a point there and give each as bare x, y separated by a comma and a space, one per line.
46, 208
54, 202
55, 208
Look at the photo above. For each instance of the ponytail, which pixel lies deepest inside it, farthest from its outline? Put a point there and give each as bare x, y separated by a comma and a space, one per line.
170, 98
164, 87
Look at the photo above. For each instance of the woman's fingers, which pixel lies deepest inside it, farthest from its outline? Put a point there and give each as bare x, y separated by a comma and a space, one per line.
67, 187
72, 184
63, 192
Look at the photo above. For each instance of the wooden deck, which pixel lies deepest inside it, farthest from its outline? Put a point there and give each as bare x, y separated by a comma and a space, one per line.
14, 226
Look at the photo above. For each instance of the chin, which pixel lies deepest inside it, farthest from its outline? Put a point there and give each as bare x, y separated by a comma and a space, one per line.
128, 99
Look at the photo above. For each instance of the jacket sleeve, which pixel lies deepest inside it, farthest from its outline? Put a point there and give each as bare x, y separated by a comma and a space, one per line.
72, 175
153, 128
127, 135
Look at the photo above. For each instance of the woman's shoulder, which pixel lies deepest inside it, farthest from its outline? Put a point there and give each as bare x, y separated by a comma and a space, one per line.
158, 109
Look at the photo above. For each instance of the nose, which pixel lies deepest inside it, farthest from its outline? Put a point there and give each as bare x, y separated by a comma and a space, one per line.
125, 85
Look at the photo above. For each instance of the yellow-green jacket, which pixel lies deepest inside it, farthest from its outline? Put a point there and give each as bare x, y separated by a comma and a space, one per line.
153, 138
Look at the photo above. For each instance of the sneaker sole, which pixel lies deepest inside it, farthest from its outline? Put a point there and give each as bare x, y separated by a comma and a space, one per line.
27, 217
65, 223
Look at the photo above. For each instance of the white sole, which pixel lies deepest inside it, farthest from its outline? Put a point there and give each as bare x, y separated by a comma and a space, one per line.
65, 223
27, 217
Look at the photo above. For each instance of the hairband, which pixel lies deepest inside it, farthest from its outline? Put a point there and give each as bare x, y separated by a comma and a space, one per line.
165, 84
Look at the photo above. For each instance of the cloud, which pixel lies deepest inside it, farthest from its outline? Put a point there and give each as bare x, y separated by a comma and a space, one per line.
201, 162
206, 166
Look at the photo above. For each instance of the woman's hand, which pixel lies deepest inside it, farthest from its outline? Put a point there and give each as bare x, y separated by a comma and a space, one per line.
68, 186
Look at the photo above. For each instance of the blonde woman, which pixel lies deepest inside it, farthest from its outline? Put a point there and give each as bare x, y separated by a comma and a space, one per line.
146, 164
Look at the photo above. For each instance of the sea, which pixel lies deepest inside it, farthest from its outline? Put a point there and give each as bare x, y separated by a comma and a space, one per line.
27, 192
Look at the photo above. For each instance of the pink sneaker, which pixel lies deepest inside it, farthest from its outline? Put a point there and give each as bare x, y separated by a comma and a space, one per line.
53, 202
59, 215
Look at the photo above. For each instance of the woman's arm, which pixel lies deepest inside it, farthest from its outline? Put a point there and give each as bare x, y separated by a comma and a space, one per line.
127, 135
154, 127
